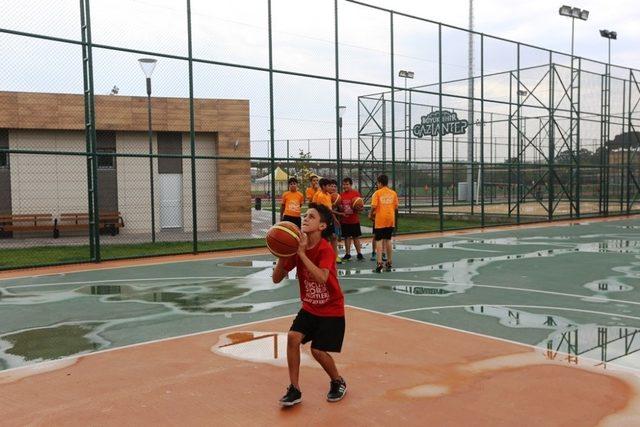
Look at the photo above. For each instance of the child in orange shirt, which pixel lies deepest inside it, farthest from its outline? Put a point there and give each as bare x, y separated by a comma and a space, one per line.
292, 202
384, 205
313, 189
323, 197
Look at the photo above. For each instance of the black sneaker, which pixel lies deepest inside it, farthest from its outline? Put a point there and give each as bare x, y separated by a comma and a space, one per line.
293, 396
346, 257
337, 390
387, 267
360, 257
378, 268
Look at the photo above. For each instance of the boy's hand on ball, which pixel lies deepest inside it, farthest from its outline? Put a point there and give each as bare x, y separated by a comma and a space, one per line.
302, 247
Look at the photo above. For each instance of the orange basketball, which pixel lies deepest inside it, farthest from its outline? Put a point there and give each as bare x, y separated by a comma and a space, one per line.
335, 198
283, 239
357, 204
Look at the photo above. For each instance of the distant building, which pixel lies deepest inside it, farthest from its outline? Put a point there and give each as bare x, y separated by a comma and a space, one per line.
56, 184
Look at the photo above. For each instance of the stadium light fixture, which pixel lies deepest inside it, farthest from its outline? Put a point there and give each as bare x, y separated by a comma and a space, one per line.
406, 74
573, 13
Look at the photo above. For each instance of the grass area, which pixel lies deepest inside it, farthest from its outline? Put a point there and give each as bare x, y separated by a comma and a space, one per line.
419, 223
43, 255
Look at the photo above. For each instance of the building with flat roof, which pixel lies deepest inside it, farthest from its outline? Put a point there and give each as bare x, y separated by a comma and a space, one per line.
54, 184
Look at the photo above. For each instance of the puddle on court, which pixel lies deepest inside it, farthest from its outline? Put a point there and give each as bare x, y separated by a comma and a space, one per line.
569, 339
185, 297
260, 347
422, 290
608, 286
49, 343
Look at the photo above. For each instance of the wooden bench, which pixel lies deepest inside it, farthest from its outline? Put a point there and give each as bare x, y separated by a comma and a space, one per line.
110, 221
26, 223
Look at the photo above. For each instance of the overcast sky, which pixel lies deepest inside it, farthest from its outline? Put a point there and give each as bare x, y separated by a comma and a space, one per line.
236, 32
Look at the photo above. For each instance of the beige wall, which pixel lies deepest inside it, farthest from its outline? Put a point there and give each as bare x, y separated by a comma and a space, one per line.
42, 183
133, 182
207, 214
57, 184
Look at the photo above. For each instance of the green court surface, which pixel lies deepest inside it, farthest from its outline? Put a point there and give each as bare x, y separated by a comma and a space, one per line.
567, 289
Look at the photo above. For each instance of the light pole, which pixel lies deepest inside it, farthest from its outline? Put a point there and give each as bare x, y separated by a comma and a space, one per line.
609, 35
604, 156
574, 129
407, 138
148, 65
341, 110
573, 13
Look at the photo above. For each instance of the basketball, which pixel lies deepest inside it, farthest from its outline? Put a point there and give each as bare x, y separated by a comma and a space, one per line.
283, 239
357, 204
335, 198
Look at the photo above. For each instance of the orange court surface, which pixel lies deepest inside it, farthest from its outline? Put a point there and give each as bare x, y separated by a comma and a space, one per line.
423, 375
530, 326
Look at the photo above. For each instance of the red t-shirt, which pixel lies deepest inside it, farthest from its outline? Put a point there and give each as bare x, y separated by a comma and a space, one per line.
345, 201
320, 299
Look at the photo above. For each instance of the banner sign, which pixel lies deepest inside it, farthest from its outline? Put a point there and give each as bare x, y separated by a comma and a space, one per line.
430, 124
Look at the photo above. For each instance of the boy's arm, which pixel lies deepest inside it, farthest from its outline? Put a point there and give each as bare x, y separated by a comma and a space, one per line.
281, 269
282, 208
374, 205
319, 274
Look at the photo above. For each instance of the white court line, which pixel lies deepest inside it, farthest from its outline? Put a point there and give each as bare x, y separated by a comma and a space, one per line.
472, 285
478, 334
410, 310
144, 343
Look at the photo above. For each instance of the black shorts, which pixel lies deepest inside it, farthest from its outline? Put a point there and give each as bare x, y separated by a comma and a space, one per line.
294, 219
383, 233
325, 333
351, 230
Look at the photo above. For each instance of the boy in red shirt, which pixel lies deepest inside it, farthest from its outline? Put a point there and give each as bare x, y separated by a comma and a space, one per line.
321, 319
350, 220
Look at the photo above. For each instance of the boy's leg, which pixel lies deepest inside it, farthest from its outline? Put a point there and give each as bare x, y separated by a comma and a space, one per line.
373, 248
294, 339
347, 245
357, 245
388, 248
326, 361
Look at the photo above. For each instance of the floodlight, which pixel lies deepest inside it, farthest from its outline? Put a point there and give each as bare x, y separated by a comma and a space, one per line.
565, 11
609, 34
406, 74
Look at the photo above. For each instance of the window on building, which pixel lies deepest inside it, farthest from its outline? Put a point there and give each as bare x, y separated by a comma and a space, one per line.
106, 162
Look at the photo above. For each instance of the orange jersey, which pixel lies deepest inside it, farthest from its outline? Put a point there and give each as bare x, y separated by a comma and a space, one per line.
322, 198
292, 203
310, 193
384, 204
